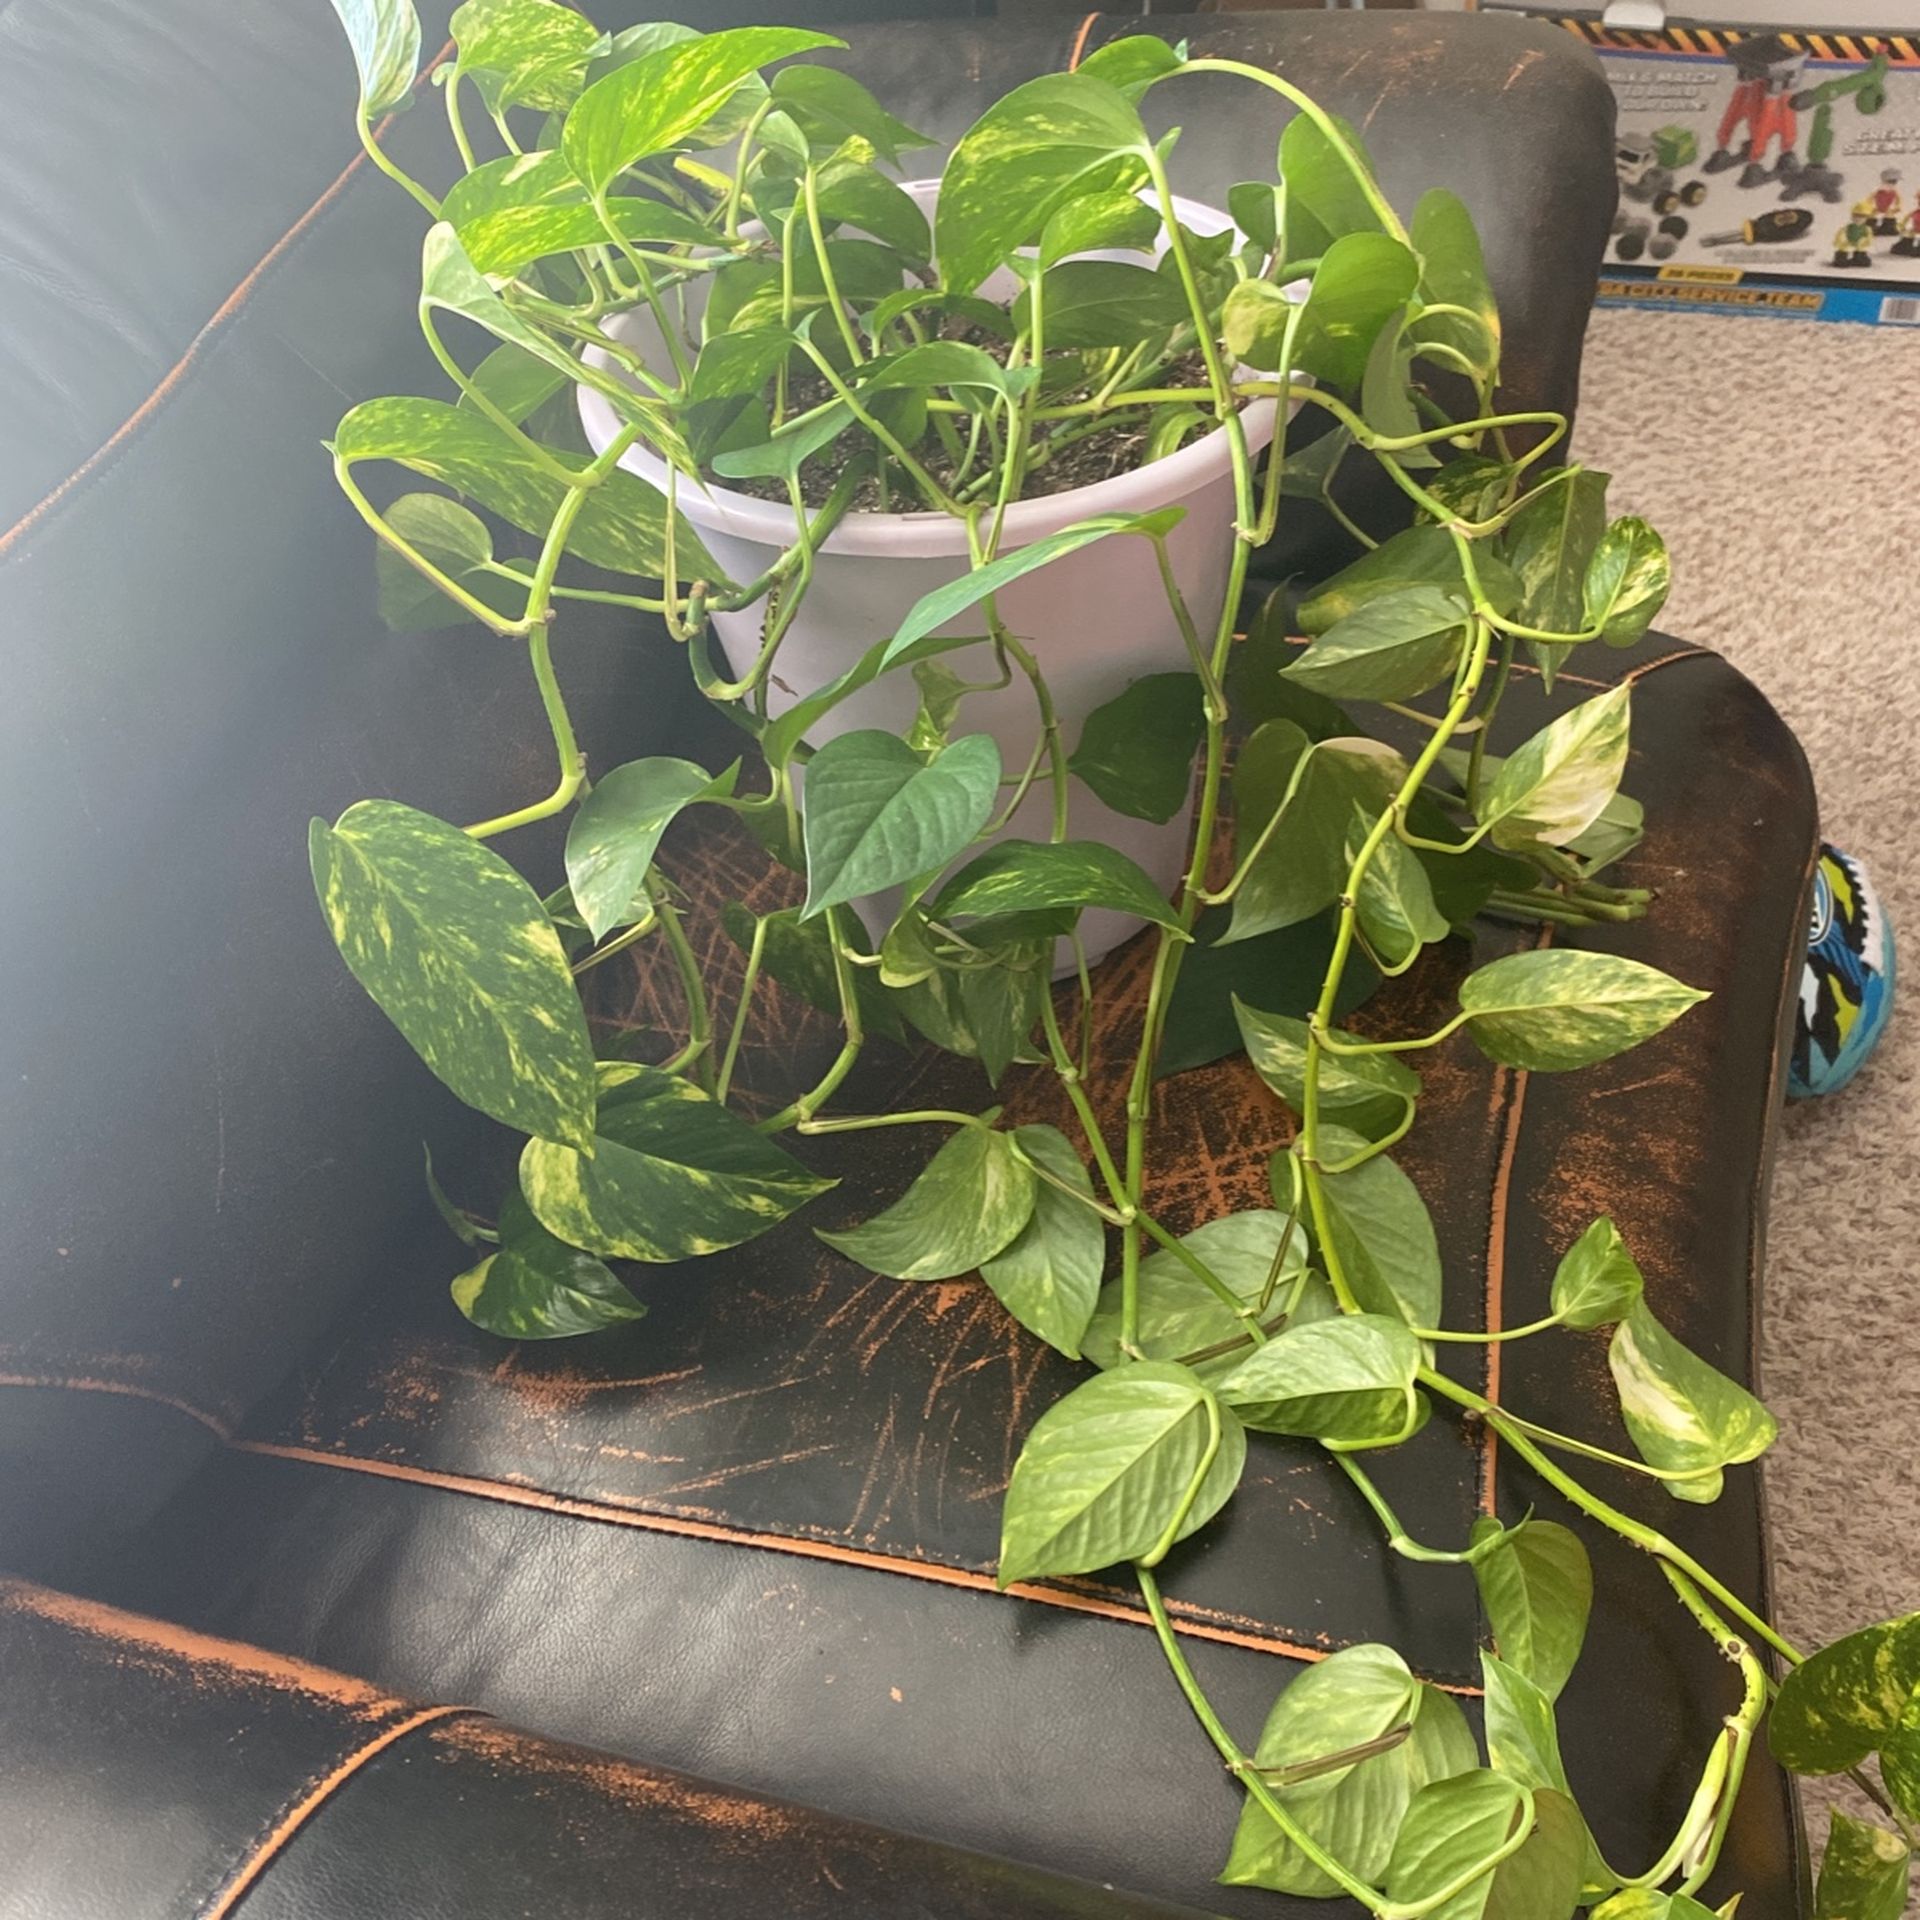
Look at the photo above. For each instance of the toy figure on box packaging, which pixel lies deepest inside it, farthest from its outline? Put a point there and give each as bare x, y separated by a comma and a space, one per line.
1881, 208
1909, 241
1768, 73
1853, 244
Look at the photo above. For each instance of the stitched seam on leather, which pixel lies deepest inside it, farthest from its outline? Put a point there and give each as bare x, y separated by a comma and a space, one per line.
1080, 43
538, 1500
215, 327
129, 1390
286, 1821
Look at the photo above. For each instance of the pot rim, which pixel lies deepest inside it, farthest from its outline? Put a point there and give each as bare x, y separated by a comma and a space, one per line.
929, 534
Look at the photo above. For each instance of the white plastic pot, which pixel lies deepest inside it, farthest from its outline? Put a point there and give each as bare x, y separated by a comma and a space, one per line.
1096, 619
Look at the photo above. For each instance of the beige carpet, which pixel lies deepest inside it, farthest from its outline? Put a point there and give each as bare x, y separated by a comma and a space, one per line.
1781, 459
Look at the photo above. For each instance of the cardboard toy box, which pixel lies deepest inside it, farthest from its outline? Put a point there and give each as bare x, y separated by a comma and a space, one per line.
1765, 171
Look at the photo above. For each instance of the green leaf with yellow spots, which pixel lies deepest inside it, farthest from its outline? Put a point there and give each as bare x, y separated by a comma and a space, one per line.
536, 1287
459, 954
673, 1173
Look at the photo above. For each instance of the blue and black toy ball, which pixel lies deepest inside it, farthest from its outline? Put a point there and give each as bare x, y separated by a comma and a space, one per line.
1847, 989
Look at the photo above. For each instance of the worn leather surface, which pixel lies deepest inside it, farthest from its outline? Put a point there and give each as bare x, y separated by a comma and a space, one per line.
151, 1773
727, 1540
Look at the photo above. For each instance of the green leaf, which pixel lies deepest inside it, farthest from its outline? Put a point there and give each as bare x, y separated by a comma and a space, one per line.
1321, 179
786, 732
1557, 785
1542, 1880
1356, 1696
1255, 206
942, 363
1382, 1233
1848, 1700
1025, 157
536, 1287
1283, 968
1643, 1903
459, 954
523, 53
1386, 390
622, 526
1134, 62
1537, 1588
981, 1012
1597, 1282
449, 280
1302, 866
1364, 280
968, 1202
946, 603
799, 955
1048, 1275
1627, 581
832, 106
1257, 687
1451, 1827
616, 833
1136, 750
517, 382
1523, 1742
506, 240
656, 102
1349, 1379
1415, 556
1864, 1873
854, 195
1248, 1253
727, 377
1106, 1473
1551, 1010
788, 450
1104, 303
1620, 828
1035, 876
457, 542
1101, 222
1453, 272
1394, 647
385, 37
878, 815
1395, 904
673, 1174
1370, 1093
1680, 1412
1549, 544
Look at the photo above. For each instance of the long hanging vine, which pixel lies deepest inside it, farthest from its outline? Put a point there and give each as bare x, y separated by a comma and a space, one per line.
821, 344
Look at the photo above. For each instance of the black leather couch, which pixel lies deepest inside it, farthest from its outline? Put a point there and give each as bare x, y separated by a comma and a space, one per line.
246, 1448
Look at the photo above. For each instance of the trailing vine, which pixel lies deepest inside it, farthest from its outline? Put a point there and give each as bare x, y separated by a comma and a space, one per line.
815, 341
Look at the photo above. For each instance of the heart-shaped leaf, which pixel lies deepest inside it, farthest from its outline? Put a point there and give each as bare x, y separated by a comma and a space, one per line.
1133, 62
1394, 647
622, 526
967, 1203
1126, 1459
1382, 1233
1048, 1275
1256, 1255
1555, 1009
1349, 1379
1644, 1903
656, 102
877, 814
1104, 303
537, 1287
1536, 1584
455, 541
674, 1174
1111, 222
1367, 1092
523, 53
459, 954
1415, 556
851, 194
1451, 1827
1359, 1697
385, 37
1549, 545
1325, 180
832, 106
947, 603
1627, 581
1863, 1874
617, 831
1027, 155
518, 383
1557, 785
1453, 272
1682, 1413
1361, 286
1597, 1281
1136, 750
1848, 1700
941, 363
1395, 904
1036, 876
1523, 1742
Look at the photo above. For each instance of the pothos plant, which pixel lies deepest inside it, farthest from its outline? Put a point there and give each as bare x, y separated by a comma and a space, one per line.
819, 338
